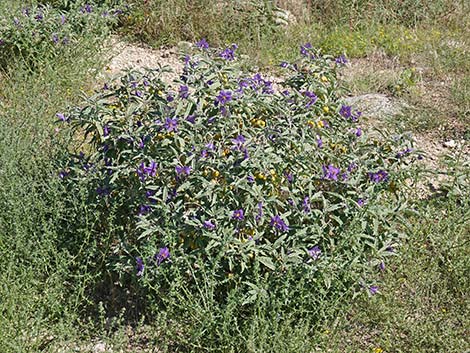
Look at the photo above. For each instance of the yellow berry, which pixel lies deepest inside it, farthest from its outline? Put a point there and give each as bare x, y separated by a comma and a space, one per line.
260, 123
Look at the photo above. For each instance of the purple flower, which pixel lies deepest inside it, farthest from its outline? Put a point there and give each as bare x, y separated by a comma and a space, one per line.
138, 93
404, 152
139, 266
303, 49
390, 249
330, 172
102, 191
258, 79
62, 19
144, 209
352, 166
150, 193
314, 252
61, 117
87, 9
260, 212
382, 266
106, 130
184, 92
341, 60
202, 44
223, 97
170, 98
284, 64
143, 171
312, 98
39, 17
373, 290
171, 124
163, 254
63, 174
246, 155
191, 118
142, 143
238, 215
379, 176
183, 170
229, 53
242, 84
278, 223
238, 142
358, 132
250, 179
306, 204
289, 177
208, 225
345, 111
361, 202
268, 87
319, 143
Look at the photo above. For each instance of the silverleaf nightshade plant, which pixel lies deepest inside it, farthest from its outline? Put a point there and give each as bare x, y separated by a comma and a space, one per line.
237, 177
41, 32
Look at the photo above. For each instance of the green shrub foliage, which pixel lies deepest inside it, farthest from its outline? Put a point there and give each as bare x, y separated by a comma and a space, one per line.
231, 171
39, 33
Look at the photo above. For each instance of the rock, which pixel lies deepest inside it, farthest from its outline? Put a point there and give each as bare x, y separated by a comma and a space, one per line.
283, 17
374, 105
99, 347
450, 144
184, 46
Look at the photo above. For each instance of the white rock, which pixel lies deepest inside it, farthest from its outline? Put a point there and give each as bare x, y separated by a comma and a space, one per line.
375, 105
99, 347
450, 144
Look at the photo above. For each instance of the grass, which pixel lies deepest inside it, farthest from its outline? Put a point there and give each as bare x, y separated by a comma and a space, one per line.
423, 304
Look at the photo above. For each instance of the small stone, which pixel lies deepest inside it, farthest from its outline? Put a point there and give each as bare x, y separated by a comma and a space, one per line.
183, 45
99, 347
450, 144
375, 105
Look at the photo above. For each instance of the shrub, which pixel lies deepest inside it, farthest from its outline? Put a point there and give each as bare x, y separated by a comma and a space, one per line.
230, 173
39, 33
